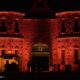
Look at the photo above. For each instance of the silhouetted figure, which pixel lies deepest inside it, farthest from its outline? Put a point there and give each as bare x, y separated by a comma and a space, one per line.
7, 66
11, 67
14, 67
32, 66
29, 65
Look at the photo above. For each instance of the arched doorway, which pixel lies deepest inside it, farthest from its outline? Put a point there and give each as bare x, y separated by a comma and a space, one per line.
40, 58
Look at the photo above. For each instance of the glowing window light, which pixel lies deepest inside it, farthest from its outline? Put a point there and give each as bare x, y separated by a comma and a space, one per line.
9, 52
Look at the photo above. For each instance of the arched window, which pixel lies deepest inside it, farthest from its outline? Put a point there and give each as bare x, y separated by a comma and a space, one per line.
63, 27
76, 27
16, 26
40, 48
3, 27
40, 56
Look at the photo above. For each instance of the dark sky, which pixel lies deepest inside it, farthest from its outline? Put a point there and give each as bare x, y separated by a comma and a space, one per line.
25, 5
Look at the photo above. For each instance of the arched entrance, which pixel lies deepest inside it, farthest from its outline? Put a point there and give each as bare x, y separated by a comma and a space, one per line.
40, 58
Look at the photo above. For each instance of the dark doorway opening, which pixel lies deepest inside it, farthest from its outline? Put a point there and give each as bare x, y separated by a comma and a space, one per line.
68, 68
40, 64
40, 57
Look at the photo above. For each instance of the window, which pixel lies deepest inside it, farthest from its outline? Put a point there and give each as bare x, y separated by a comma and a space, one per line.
16, 26
16, 52
63, 27
3, 27
3, 52
9, 52
75, 56
76, 27
63, 56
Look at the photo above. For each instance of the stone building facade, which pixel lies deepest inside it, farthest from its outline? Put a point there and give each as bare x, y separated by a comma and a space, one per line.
40, 44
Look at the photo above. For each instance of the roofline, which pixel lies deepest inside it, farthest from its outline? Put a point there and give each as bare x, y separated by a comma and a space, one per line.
67, 12
12, 12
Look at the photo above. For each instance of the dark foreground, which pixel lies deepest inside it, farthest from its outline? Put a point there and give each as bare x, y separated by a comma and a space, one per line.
40, 76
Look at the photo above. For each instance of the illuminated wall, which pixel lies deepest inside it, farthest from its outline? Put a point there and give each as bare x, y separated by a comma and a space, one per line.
12, 43
66, 48
35, 31
29, 33
19, 35
10, 46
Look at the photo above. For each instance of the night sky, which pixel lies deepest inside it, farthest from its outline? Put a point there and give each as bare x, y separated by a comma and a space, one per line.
25, 5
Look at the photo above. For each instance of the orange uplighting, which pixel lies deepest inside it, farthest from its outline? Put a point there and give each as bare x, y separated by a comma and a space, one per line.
9, 52
62, 45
